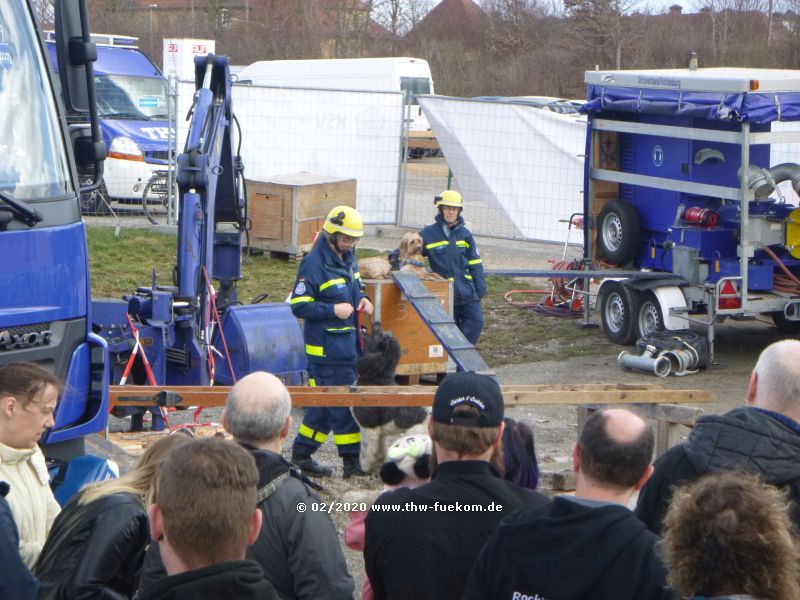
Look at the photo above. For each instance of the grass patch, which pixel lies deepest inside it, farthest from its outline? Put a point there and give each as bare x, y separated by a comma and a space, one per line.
512, 335
515, 335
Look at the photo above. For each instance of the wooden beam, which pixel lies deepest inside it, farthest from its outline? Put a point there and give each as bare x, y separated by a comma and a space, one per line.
420, 395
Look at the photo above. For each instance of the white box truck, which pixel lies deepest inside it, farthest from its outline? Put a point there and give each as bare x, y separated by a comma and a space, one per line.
388, 74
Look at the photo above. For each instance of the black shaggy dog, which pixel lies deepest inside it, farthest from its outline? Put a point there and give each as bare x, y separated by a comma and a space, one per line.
380, 423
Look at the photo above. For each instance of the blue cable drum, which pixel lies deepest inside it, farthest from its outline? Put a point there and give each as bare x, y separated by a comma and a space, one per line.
261, 337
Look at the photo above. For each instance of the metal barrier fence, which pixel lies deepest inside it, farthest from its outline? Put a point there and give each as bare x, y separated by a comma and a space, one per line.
364, 135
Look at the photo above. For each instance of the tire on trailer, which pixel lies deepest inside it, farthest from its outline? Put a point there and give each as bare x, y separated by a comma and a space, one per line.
784, 325
617, 312
649, 316
618, 232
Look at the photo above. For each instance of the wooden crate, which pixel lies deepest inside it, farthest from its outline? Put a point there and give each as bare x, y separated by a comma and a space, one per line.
422, 353
287, 211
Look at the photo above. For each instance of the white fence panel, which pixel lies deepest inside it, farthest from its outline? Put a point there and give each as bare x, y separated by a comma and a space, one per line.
519, 168
338, 133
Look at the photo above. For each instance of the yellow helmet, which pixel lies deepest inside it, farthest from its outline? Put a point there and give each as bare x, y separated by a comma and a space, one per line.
346, 220
449, 198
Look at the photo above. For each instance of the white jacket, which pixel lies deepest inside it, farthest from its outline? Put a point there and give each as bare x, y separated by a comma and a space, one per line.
32, 503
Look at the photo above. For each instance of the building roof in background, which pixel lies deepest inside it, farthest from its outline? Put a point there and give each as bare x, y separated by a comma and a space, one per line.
451, 19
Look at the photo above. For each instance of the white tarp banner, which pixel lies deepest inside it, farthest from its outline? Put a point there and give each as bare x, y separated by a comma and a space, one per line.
525, 161
341, 134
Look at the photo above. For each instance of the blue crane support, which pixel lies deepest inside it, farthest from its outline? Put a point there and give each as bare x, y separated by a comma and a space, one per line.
440, 323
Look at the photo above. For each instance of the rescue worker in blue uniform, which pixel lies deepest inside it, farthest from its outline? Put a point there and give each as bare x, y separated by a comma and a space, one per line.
328, 295
452, 253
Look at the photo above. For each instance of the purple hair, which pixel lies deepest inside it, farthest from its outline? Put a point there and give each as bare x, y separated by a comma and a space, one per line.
519, 454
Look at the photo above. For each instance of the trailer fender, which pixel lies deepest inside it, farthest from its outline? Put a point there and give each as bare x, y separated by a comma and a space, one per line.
671, 297
666, 291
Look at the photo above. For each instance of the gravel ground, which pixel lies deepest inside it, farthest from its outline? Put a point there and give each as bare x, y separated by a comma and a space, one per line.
555, 427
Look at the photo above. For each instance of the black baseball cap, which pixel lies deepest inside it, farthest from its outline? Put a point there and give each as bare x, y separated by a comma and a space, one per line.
468, 389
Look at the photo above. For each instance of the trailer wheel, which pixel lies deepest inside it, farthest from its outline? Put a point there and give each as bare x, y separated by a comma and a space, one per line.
617, 312
784, 325
618, 234
649, 318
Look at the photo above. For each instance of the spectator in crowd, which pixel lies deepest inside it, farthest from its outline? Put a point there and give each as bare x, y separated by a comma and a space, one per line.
519, 454
421, 542
762, 438
408, 466
28, 399
97, 543
17, 581
453, 254
727, 535
203, 517
328, 296
300, 552
589, 546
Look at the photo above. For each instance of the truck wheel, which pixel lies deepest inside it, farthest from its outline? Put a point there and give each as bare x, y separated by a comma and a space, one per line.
649, 318
93, 203
617, 312
618, 232
784, 325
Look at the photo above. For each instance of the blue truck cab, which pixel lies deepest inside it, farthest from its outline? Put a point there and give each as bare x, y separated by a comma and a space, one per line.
132, 96
44, 271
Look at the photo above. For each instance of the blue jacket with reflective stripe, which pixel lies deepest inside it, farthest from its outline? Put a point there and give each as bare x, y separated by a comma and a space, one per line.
455, 257
323, 280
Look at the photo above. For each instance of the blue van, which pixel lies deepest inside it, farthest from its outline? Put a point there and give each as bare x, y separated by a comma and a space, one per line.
132, 98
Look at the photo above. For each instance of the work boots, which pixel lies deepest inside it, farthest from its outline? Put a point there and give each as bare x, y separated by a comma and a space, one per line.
351, 466
309, 466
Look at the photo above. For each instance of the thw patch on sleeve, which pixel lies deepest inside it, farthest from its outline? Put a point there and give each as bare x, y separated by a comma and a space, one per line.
300, 288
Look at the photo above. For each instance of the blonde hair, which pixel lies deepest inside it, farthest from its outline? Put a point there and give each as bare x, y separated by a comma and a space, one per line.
141, 479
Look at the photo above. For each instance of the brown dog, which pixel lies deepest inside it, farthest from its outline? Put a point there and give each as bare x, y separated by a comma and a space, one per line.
375, 267
409, 258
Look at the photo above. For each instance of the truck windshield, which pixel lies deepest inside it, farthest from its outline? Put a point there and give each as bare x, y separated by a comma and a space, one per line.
127, 97
32, 151
414, 86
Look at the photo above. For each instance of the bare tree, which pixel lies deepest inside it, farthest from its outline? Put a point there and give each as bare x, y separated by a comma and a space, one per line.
398, 17
43, 11
601, 27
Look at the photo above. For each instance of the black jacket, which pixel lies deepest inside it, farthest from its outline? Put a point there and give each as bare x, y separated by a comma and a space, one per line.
745, 438
95, 550
570, 551
421, 543
300, 552
16, 580
232, 580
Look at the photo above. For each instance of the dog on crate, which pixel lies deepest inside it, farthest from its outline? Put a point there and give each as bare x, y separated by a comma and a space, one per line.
375, 267
380, 425
406, 257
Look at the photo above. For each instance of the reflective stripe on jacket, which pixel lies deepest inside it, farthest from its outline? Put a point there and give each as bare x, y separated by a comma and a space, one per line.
324, 280
456, 258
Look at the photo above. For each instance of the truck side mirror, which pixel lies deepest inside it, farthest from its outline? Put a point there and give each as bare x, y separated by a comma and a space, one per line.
75, 53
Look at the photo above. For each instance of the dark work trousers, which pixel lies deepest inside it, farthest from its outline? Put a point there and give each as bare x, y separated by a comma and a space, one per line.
320, 420
469, 318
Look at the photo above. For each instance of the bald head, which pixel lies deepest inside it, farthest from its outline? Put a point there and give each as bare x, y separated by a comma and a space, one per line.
257, 409
776, 379
615, 448
623, 426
